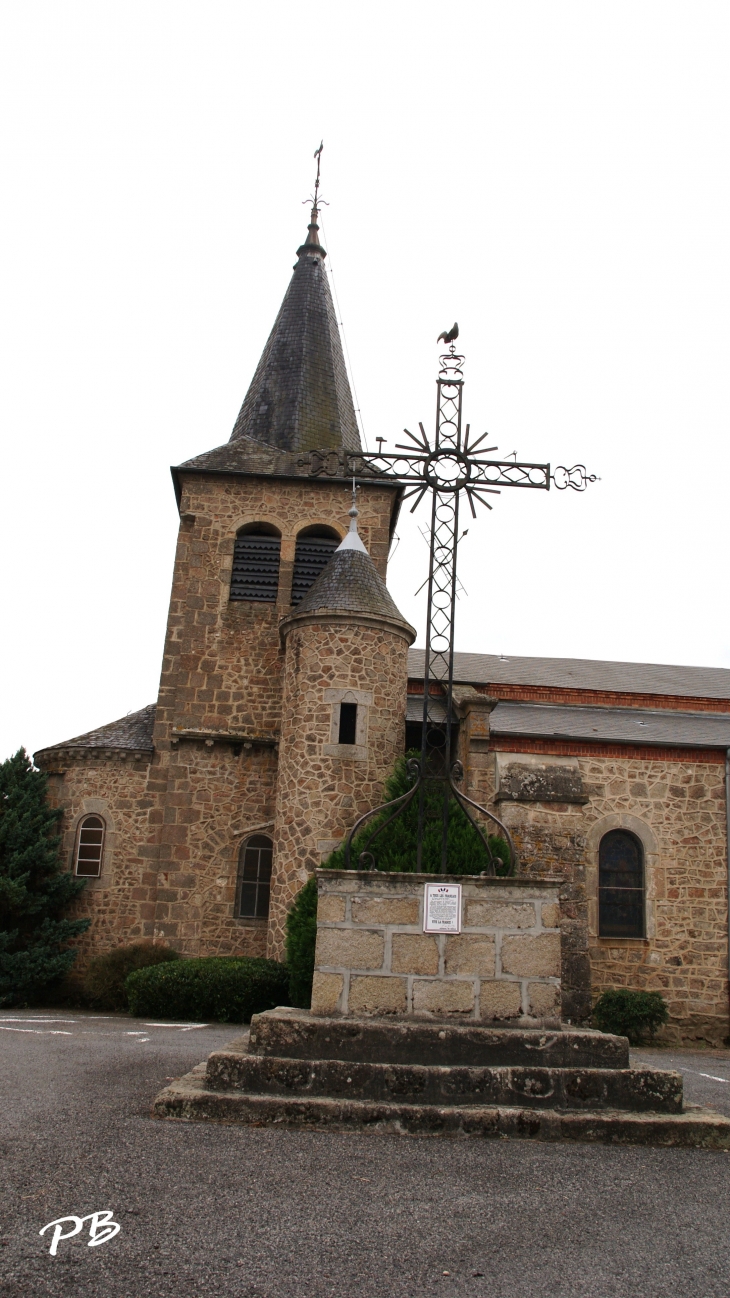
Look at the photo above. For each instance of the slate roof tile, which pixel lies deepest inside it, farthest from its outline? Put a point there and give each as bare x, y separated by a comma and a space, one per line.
585, 674
133, 731
351, 583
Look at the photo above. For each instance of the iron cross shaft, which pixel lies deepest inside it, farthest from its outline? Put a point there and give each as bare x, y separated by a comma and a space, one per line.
453, 465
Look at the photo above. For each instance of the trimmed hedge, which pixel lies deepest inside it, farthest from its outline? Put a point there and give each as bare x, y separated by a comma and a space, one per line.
229, 989
301, 939
104, 984
630, 1013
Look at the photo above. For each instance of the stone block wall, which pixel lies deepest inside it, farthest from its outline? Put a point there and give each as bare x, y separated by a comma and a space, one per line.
222, 663
373, 958
323, 787
121, 902
222, 672
676, 807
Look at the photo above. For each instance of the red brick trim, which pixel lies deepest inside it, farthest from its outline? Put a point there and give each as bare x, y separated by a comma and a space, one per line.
601, 698
568, 748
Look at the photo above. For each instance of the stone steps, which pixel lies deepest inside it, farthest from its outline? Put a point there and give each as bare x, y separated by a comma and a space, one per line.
638, 1089
296, 1034
189, 1099
424, 1077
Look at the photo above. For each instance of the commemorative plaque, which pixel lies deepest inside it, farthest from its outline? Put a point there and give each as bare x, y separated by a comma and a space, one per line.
442, 908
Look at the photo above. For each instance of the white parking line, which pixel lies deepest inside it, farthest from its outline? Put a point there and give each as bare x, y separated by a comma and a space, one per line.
711, 1076
184, 1027
38, 1032
36, 1019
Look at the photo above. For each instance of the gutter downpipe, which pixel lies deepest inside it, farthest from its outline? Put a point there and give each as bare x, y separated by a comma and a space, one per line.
727, 842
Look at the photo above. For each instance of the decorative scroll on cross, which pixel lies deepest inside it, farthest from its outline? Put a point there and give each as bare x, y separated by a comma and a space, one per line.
452, 466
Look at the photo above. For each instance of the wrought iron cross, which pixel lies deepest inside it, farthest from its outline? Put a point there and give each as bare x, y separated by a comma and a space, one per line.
453, 465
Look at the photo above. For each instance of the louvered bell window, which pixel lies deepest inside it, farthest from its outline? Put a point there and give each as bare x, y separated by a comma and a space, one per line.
313, 553
255, 573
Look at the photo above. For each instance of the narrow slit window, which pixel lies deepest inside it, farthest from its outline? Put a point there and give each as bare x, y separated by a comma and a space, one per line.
620, 885
348, 723
255, 574
254, 877
90, 847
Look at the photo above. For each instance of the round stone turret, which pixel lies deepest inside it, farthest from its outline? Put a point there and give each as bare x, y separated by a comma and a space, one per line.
343, 716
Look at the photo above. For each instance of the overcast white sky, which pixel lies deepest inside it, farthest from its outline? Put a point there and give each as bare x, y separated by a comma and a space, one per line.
553, 175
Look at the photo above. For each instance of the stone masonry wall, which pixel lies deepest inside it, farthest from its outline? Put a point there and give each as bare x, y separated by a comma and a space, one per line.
322, 791
222, 662
677, 809
373, 957
121, 902
222, 672
214, 798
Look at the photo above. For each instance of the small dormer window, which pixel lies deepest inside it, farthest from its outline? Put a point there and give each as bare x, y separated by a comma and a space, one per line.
256, 555
315, 547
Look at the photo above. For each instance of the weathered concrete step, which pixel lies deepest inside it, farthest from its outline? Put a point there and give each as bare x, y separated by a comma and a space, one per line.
189, 1099
638, 1089
297, 1034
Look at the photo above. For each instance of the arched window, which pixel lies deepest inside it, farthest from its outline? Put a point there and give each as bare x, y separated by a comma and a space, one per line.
256, 554
315, 547
254, 877
90, 846
620, 885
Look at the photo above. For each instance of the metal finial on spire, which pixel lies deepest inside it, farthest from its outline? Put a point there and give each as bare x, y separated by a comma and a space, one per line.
352, 539
314, 198
318, 156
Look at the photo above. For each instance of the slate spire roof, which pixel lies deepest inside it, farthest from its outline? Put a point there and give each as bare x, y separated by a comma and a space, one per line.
300, 398
351, 583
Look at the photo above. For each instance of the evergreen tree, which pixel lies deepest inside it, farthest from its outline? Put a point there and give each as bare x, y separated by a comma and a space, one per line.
34, 890
395, 847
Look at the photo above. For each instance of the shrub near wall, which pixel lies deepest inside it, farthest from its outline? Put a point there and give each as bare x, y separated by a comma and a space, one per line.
629, 1013
104, 984
214, 987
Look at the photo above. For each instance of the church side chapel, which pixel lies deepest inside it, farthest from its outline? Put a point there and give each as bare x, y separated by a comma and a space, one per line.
289, 688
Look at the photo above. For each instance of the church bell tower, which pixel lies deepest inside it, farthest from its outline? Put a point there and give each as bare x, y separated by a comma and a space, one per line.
262, 524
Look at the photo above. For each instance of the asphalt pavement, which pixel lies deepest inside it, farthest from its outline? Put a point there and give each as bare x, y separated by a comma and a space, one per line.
264, 1213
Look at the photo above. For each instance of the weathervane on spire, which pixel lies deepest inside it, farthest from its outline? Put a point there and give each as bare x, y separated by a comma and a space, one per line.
314, 198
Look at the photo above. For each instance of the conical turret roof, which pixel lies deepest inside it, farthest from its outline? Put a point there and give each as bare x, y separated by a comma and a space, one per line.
350, 583
300, 398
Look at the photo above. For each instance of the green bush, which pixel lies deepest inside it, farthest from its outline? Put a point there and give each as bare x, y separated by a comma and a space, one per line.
301, 937
104, 984
34, 889
630, 1013
229, 989
395, 848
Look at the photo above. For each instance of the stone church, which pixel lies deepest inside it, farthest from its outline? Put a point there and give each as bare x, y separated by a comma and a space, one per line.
289, 687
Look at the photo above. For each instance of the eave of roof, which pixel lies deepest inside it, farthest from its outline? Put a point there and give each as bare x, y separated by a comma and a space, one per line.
585, 674
611, 725
132, 733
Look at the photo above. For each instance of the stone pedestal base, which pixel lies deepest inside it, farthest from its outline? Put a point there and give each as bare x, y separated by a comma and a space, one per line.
374, 957
439, 1078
